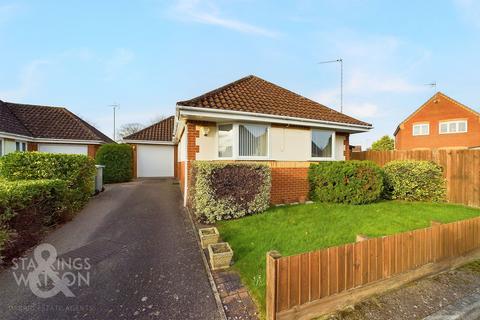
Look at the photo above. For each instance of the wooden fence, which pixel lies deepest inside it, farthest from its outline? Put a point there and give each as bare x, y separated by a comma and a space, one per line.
461, 169
307, 285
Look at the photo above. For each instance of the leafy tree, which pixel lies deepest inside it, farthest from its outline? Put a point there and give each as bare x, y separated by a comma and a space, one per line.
383, 144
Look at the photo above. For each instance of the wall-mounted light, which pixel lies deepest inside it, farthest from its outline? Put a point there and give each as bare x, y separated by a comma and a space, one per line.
205, 131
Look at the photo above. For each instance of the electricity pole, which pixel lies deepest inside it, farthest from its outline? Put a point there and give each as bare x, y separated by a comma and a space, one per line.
341, 78
114, 107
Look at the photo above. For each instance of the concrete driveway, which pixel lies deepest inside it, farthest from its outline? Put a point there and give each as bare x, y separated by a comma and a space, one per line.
145, 262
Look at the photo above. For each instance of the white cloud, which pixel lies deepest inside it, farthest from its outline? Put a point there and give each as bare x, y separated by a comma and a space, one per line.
120, 58
469, 10
362, 110
30, 79
207, 12
377, 68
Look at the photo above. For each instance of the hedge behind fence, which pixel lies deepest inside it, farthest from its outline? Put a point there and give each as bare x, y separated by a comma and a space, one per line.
118, 159
353, 182
27, 208
414, 181
223, 191
77, 170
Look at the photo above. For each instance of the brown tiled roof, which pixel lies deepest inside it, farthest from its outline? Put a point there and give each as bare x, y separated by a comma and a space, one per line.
160, 131
46, 122
253, 94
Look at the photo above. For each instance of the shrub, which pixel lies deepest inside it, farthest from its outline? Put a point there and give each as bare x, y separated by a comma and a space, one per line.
118, 159
352, 182
385, 143
414, 181
229, 190
77, 170
27, 208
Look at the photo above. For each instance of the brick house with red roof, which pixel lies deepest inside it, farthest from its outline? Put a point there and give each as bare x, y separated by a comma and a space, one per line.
252, 119
47, 129
440, 123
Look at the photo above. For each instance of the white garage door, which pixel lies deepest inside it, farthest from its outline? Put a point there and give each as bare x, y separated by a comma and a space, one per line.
63, 148
154, 161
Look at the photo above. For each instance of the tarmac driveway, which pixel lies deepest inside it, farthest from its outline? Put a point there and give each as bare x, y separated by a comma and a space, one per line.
145, 262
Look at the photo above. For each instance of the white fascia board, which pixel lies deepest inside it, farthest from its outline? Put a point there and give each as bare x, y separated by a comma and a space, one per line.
47, 140
259, 117
67, 141
15, 136
169, 143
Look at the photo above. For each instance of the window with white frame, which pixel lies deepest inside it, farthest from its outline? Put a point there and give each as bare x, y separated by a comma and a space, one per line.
20, 146
242, 140
421, 129
322, 143
252, 140
456, 126
225, 141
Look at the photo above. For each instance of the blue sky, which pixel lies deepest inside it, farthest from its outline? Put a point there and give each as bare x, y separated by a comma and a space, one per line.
146, 55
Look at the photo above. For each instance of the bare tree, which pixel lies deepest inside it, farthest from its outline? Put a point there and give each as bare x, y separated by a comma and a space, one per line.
157, 118
129, 128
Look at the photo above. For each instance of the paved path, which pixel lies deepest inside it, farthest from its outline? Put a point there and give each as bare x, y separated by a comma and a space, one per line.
145, 261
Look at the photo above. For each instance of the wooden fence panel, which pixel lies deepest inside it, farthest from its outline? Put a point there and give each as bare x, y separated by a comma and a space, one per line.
300, 279
461, 169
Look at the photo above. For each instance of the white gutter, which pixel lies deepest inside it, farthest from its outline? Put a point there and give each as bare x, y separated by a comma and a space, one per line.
47, 140
240, 115
170, 143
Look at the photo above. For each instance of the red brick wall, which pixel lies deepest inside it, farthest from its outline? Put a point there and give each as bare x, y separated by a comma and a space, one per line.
289, 185
439, 108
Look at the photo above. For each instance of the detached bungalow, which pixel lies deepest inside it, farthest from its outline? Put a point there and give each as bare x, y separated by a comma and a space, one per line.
255, 120
26, 127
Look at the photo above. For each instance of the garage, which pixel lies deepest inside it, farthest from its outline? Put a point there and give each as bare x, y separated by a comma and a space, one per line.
155, 161
63, 148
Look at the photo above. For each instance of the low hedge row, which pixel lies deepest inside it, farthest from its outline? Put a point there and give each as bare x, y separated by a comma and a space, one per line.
27, 208
117, 159
414, 181
38, 190
77, 170
352, 182
359, 182
223, 191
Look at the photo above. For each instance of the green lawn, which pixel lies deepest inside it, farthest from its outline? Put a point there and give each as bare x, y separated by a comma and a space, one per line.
301, 228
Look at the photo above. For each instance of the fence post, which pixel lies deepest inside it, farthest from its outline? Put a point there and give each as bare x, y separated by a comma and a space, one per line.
271, 281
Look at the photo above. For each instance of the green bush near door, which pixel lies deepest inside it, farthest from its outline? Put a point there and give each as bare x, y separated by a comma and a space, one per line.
118, 160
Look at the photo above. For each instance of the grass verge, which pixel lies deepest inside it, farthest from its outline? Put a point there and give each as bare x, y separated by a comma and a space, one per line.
301, 228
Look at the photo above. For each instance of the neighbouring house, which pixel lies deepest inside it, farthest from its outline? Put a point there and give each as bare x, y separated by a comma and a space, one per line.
440, 123
255, 120
25, 127
154, 150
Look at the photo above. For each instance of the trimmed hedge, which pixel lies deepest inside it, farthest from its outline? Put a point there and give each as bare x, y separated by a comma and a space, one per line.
27, 209
77, 170
117, 159
223, 191
414, 181
352, 182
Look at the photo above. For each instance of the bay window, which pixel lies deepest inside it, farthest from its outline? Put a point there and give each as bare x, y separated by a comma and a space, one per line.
225, 141
242, 141
322, 144
252, 140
